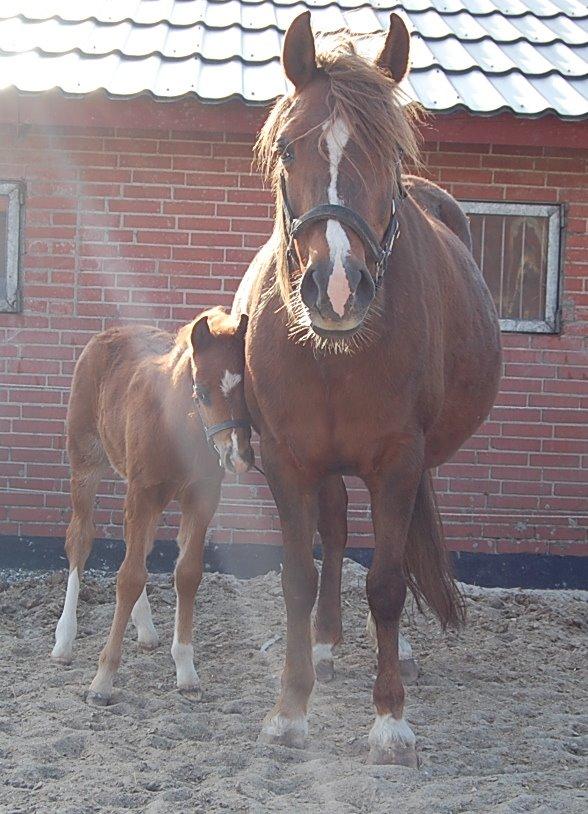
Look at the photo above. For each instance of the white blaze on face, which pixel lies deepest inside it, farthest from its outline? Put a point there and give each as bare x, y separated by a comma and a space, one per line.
228, 382
338, 290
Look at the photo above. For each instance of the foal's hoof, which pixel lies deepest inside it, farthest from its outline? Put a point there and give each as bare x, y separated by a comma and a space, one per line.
64, 657
409, 671
97, 699
191, 693
278, 730
325, 671
397, 755
148, 645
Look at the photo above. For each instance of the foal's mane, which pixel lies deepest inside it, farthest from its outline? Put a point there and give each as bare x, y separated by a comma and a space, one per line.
383, 126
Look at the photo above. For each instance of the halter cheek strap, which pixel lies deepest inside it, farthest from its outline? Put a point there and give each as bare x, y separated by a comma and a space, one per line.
380, 251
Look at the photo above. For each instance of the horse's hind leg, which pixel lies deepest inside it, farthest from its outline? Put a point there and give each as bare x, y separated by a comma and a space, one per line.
78, 544
198, 505
332, 526
409, 669
142, 510
143, 621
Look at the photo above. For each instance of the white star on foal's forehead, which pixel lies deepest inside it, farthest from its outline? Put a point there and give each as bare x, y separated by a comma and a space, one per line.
229, 381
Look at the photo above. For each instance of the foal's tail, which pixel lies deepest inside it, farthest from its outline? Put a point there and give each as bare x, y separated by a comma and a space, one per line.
428, 569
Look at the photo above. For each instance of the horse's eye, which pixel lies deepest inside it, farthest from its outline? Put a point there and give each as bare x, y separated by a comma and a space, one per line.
202, 394
286, 151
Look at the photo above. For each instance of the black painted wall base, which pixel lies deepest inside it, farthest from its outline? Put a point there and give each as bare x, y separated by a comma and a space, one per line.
489, 570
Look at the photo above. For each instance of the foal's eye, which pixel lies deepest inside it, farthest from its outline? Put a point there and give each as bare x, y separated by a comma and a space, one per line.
202, 394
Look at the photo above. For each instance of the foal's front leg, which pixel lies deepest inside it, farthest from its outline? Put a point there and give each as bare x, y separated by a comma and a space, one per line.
198, 505
393, 494
297, 507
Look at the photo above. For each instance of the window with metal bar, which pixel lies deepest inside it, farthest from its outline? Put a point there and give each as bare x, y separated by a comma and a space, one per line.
11, 195
517, 247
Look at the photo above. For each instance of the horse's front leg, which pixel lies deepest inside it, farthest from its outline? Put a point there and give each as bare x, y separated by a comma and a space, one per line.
297, 506
332, 526
393, 491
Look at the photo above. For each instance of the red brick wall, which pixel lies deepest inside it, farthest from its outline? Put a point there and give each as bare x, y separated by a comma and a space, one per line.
125, 225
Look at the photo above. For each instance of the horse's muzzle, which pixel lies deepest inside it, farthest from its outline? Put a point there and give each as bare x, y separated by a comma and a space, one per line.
337, 305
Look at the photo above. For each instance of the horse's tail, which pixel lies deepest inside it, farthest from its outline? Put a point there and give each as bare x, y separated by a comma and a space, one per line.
428, 568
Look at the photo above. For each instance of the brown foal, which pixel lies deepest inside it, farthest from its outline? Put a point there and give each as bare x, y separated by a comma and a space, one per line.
164, 412
373, 349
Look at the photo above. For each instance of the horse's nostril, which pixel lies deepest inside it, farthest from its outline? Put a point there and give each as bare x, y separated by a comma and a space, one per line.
309, 290
366, 289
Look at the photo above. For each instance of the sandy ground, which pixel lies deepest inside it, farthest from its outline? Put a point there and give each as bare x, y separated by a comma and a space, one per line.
499, 710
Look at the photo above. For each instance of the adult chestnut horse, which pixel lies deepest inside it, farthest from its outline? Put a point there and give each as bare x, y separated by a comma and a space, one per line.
164, 411
373, 349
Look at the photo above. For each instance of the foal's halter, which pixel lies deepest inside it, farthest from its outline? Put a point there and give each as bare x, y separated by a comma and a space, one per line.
214, 429
380, 251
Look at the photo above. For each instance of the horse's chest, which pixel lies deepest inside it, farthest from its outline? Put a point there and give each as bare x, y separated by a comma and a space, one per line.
340, 422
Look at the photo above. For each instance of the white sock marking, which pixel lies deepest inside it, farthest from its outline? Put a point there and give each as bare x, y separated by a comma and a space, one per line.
183, 656
141, 616
388, 731
67, 627
338, 290
229, 381
322, 652
278, 725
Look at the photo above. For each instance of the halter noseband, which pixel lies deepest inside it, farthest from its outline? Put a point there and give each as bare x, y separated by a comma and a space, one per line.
380, 251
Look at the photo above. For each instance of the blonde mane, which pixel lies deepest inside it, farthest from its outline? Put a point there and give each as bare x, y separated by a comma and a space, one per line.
382, 122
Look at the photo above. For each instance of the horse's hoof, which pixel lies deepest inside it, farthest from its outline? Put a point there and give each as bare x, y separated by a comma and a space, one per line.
97, 699
396, 755
409, 671
64, 657
325, 671
191, 693
148, 645
278, 730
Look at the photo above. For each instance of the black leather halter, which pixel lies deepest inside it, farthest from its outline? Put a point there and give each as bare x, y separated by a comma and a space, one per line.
380, 251
214, 429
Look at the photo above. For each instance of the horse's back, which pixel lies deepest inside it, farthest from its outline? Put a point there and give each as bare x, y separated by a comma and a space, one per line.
104, 373
439, 204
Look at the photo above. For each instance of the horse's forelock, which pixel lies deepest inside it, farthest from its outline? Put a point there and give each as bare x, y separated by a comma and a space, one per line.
383, 124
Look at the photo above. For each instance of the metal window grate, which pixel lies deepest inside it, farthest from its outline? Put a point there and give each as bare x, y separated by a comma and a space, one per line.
517, 247
11, 194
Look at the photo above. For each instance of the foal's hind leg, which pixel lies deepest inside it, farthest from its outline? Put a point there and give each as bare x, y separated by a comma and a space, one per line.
143, 621
78, 544
198, 505
332, 526
142, 510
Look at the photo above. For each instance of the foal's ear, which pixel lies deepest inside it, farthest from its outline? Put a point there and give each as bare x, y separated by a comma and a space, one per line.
298, 54
201, 337
393, 57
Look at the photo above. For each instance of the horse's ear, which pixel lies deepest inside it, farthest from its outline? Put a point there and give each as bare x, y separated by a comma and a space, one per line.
201, 337
242, 326
298, 54
393, 57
